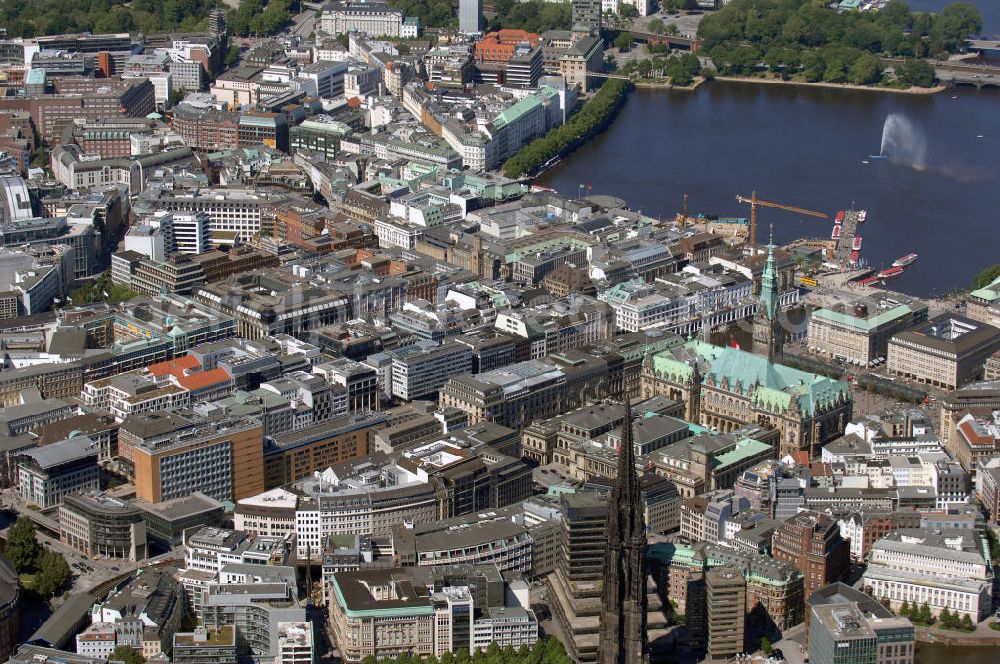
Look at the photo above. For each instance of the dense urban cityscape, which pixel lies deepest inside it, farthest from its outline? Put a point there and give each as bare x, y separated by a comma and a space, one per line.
303, 360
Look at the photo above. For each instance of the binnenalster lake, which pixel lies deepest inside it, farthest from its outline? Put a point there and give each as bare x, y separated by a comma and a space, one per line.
938, 196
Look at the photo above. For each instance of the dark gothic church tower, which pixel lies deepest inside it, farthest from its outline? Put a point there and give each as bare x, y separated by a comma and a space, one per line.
623, 637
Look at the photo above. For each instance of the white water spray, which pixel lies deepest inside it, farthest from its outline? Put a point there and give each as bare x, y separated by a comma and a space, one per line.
903, 143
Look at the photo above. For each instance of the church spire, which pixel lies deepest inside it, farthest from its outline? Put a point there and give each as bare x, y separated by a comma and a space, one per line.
768, 335
623, 637
769, 295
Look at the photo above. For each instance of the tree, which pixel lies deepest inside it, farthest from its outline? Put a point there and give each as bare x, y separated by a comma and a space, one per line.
765, 646
985, 278
628, 11
967, 623
22, 548
914, 72
946, 618
904, 609
925, 614
232, 55
656, 26
624, 41
672, 29
127, 654
53, 573
865, 70
177, 96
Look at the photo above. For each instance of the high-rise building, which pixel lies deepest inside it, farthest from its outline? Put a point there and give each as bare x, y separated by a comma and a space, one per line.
191, 232
725, 608
217, 21
470, 14
174, 454
623, 622
812, 543
586, 15
839, 634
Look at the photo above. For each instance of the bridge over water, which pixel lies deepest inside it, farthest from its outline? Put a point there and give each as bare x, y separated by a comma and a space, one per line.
961, 72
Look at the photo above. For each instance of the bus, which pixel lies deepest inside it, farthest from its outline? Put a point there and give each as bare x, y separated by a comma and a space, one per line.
808, 281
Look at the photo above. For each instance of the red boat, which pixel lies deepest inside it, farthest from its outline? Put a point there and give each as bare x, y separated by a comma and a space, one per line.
890, 272
836, 233
857, 243
854, 257
840, 217
870, 281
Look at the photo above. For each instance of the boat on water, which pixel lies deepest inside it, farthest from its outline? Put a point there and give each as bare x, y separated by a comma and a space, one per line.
836, 233
890, 272
870, 281
840, 218
878, 156
862, 215
853, 258
857, 243
905, 260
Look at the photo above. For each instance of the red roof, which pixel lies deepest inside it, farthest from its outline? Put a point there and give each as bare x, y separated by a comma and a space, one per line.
800, 457
975, 438
202, 379
175, 367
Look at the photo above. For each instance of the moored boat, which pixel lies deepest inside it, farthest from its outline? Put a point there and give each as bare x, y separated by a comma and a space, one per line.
905, 260
890, 272
857, 243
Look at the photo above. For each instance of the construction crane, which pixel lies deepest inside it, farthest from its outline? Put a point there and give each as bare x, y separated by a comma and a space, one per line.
683, 216
754, 202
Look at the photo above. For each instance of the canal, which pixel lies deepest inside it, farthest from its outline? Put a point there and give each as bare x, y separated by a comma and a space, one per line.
938, 653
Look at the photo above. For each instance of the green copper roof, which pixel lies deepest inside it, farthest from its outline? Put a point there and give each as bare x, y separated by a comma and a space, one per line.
988, 293
408, 610
746, 448
769, 295
672, 554
863, 324
522, 107
771, 386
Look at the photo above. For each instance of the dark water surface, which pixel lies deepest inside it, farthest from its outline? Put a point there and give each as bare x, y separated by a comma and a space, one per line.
938, 196
936, 653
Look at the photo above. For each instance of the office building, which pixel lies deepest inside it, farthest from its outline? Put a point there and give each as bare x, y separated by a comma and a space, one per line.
291, 456
944, 569
859, 332
45, 475
295, 643
725, 605
371, 17
587, 15
173, 454
168, 520
421, 370
470, 16
839, 634
812, 543
946, 351
206, 646
516, 395
458, 608
97, 524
